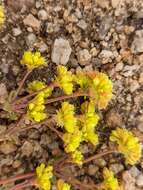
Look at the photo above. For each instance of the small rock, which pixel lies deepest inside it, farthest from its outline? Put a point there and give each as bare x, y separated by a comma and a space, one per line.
105, 25
82, 24
42, 14
115, 3
27, 149
119, 66
61, 51
16, 31
139, 180
31, 39
16, 164
141, 78
134, 85
92, 169
116, 168
137, 44
134, 171
7, 147
128, 181
17, 5
100, 162
84, 57
3, 93
33, 22
106, 54
93, 51
43, 48
113, 119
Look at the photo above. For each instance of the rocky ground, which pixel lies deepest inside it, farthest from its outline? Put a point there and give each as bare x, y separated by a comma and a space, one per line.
91, 35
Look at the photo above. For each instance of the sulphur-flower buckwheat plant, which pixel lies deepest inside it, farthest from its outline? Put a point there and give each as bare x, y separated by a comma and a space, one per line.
61, 185
110, 182
65, 79
128, 145
66, 117
77, 157
43, 176
32, 60
2, 15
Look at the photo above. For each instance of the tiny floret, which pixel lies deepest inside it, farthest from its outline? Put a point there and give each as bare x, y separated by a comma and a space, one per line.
128, 145
61, 185
65, 79
77, 157
110, 182
2, 15
65, 117
32, 60
43, 176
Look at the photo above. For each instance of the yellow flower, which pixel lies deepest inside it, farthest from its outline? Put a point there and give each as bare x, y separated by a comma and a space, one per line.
110, 182
2, 15
43, 176
65, 117
32, 60
61, 185
77, 157
65, 79
36, 108
92, 137
101, 89
128, 145
72, 141
36, 85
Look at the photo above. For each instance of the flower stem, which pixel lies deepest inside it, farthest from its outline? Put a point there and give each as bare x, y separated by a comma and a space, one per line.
15, 178
97, 156
26, 183
74, 95
22, 83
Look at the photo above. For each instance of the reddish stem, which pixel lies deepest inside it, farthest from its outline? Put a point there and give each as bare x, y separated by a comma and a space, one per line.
26, 183
15, 178
97, 156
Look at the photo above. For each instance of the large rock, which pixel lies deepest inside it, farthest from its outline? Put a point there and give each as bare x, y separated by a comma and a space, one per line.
137, 44
61, 51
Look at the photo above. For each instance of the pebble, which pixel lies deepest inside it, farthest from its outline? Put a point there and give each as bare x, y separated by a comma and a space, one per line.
134, 85
92, 169
82, 24
141, 78
119, 66
116, 168
7, 147
31, 39
139, 180
115, 3
113, 119
16, 31
42, 14
61, 51
137, 44
27, 149
84, 57
33, 22
134, 171
3, 93
106, 54
100, 162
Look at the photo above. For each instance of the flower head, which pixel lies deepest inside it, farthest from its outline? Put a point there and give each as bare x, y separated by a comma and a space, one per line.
2, 15
43, 176
101, 89
65, 117
65, 79
110, 182
82, 80
36, 108
77, 157
32, 60
61, 185
36, 85
72, 140
128, 145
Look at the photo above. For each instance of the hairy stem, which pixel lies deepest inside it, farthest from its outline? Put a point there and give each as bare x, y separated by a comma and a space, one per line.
22, 83
97, 156
15, 178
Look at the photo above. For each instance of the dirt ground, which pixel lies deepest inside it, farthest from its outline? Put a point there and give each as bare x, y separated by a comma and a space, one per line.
104, 35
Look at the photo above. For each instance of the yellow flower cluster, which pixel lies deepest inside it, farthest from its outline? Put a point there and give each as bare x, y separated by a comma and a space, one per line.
110, 182
89, 120
72, 140
43, 176
99, 86
2, 15
128, 145
77, 157
32, 60
65, 117
65, 79
36, 85
61, 185
36, 108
